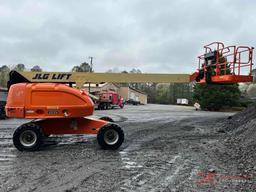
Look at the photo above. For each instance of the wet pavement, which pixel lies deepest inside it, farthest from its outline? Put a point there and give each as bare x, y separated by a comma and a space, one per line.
165, 149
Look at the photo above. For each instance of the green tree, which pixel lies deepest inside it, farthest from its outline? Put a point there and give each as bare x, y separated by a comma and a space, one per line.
83, 67
4, 75
162, 94
151, 90
76, 69
20, 67
36, 68
214, 97
180, 90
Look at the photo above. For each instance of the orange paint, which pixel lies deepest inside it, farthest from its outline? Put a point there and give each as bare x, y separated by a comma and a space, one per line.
224, 65
47, 100
71, 126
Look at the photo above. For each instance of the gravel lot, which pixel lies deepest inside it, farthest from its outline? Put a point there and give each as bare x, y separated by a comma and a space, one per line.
166, 148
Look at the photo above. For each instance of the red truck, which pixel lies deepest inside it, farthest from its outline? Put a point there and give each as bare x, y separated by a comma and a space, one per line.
109, 100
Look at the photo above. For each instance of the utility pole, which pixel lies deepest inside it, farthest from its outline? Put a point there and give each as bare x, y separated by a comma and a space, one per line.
91, 58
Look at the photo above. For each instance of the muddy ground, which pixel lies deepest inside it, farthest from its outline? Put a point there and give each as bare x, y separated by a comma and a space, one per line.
166, 148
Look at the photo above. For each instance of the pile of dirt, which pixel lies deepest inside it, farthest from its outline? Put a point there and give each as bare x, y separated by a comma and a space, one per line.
241, 140
240, 119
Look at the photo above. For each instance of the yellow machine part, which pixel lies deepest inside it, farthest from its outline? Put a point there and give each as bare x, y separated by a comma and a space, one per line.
79, 78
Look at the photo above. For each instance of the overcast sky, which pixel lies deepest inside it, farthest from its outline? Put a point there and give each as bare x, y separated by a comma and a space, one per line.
160, 36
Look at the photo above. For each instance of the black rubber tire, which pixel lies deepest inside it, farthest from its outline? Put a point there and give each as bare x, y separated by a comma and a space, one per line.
25, 127
105, 118
101, 134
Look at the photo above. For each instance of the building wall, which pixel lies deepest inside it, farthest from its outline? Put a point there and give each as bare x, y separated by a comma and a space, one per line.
124, 92
127, 93
143, 98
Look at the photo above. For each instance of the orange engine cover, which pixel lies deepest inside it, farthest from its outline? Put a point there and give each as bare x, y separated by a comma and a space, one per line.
47, 100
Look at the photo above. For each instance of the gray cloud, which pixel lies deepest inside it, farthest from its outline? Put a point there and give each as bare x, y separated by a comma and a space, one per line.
155, 36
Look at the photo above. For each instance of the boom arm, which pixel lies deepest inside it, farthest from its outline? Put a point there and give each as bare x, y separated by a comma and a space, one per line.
79, 78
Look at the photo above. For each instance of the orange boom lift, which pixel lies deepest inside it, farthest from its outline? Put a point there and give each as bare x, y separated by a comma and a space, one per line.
58, 109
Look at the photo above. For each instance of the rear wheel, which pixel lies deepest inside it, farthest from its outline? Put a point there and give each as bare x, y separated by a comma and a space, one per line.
28, 137
110, 136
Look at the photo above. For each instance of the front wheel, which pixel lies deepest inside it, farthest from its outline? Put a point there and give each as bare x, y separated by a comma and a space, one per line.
110, 136
28, 137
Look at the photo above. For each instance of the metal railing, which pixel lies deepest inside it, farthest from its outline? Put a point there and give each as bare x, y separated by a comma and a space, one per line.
231, 60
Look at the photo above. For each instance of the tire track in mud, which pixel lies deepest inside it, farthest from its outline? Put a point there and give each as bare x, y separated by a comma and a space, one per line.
156, 156
10, 158
7, 162
155, 178
147, 170
10, 164
141, 165
7, 151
